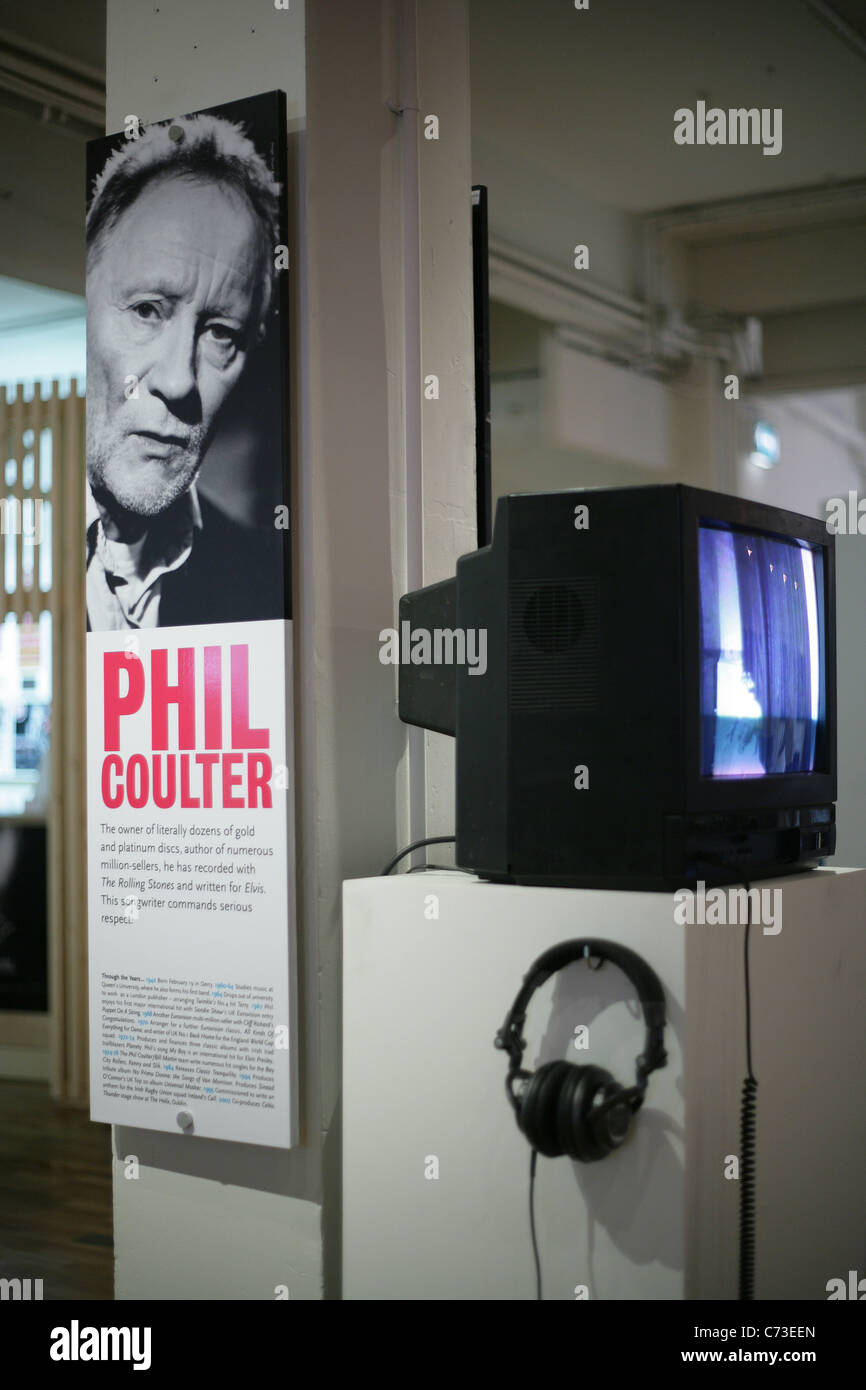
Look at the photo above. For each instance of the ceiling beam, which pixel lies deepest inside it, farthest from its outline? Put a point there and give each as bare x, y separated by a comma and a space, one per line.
50, 86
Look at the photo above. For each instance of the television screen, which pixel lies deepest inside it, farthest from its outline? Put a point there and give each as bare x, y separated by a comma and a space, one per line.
762, 652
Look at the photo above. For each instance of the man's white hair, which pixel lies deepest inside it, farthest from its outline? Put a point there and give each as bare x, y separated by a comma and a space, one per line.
196, 147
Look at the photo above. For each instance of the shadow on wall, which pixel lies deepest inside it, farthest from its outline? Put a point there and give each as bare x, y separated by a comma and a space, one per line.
636, 1194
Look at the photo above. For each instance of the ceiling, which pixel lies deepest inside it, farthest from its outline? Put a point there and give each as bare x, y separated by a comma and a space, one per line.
52, 99
74, 29
572, 117
41, 334
573, 135
26, 306
588, 97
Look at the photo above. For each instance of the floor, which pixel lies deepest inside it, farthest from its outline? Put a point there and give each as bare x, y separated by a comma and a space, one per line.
55, 1195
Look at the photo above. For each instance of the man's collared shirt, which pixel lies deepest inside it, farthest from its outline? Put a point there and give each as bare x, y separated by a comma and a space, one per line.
124, 581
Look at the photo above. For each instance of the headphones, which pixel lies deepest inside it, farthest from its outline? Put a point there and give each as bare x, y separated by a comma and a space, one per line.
567, 1109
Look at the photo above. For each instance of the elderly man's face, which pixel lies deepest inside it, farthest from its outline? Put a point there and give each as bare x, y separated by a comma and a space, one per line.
173, 299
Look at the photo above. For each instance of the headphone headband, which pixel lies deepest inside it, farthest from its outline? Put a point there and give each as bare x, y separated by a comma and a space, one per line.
642, 976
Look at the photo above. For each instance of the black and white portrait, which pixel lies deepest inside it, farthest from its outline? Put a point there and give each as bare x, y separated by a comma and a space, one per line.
187, 480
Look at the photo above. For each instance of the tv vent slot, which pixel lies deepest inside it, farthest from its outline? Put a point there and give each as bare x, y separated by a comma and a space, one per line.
553, 635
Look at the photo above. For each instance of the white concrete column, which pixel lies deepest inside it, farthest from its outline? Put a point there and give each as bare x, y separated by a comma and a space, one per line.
447, 344
383, 489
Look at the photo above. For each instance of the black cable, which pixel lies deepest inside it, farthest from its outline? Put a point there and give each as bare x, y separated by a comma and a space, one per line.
748, 1107
418, 844
443, 868
532, 1163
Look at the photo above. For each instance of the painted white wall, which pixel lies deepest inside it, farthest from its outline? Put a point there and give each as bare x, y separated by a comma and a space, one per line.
808, 1038
567, 418
534, 205
823, 452
446, 338
562, 417
610, 411
387, 482
423, 1000
657, 1220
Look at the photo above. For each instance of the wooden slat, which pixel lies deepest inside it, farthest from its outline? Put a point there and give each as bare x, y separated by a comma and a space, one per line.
65, 600
36, 599
16, 417
71, 583
5, 452
5, 449
56, 920
17, 599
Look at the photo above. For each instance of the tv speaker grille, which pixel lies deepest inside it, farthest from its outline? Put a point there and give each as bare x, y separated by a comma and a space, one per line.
553, 637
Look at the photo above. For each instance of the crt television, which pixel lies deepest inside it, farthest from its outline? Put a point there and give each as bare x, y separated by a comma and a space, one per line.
657, 704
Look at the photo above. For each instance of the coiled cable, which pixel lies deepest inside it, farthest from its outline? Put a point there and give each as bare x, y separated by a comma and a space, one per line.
748, 1111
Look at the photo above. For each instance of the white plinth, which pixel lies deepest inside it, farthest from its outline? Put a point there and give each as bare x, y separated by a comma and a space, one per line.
423, 1090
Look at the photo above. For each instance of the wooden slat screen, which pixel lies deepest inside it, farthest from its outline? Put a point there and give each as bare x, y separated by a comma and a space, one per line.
35, 504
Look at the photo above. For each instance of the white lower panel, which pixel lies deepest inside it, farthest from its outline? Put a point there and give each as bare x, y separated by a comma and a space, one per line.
423, 999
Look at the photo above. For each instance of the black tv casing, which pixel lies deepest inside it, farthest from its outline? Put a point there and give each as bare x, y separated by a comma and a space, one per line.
593, 660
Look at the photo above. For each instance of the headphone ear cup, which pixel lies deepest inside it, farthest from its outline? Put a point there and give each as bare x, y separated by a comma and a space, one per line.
577, 1135
567, 1131
538, 1108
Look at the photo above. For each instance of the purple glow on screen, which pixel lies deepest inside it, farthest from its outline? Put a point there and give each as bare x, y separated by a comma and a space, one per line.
762, 640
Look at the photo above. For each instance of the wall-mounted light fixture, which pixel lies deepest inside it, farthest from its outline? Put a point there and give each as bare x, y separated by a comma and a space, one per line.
765, 452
